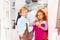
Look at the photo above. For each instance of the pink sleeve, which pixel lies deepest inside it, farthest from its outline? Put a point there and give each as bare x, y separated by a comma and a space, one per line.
44, 26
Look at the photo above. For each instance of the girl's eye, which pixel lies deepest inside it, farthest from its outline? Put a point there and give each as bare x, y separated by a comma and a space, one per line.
38, 15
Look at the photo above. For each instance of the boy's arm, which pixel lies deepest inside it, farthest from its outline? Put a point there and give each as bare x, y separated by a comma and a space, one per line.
20, 29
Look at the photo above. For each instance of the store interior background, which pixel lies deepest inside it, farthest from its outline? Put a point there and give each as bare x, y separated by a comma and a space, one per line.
7, 19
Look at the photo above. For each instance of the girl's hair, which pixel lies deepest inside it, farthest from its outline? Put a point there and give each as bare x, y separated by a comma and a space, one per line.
23, 8
44, 18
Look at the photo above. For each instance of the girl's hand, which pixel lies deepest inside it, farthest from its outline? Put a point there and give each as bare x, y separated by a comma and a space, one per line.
38, 25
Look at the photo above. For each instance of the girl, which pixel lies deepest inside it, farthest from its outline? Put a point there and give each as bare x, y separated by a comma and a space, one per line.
40, 26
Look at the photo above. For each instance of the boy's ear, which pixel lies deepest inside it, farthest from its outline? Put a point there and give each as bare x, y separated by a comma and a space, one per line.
20, 13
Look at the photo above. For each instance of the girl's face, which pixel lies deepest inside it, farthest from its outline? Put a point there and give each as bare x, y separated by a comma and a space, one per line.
40, 15
24, 13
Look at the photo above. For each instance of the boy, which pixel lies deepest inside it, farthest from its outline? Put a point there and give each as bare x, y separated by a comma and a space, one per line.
21, 24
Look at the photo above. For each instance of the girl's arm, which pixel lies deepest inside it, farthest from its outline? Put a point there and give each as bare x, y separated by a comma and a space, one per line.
44, 26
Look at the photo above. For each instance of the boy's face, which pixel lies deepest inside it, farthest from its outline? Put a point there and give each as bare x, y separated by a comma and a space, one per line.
24, 13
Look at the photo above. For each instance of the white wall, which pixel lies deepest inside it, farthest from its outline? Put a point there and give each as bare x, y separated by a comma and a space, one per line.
52, 14
0, 19
19, 4
5, 18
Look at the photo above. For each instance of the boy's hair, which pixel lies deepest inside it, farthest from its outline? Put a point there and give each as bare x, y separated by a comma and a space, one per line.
23, 8
44, 18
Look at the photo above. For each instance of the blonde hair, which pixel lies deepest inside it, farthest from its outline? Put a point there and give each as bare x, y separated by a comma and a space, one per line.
23, 8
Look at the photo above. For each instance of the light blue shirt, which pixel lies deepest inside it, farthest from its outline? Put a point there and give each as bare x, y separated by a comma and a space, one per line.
21, 25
